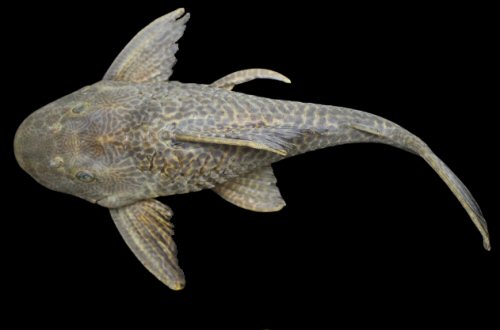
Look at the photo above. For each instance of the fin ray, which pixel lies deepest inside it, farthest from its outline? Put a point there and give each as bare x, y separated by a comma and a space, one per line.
239, 77
367, 129
228, 141
150, 55
256, 191
146, 228
272, 139
461, 193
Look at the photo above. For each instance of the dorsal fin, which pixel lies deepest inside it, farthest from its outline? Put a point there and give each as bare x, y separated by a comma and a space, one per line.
239, 77
150, 55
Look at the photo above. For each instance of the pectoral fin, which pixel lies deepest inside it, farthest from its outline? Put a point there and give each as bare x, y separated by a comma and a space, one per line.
256, 191
147, 230
239, 77
150, 55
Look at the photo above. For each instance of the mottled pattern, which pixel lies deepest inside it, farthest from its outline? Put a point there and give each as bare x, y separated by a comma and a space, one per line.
135, 136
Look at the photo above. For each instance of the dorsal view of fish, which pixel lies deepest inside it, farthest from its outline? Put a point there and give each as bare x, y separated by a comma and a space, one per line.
135, 136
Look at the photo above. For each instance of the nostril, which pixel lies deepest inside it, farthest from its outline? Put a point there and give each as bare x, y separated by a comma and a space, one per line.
56, 162
78, 109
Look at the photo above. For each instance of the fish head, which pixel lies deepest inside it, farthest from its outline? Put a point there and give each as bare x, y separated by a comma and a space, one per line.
62, 147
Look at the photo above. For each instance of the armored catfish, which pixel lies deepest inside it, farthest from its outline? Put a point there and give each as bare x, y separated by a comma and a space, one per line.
135, 135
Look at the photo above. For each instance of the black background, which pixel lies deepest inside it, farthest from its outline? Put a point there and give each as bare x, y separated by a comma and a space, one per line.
369, 234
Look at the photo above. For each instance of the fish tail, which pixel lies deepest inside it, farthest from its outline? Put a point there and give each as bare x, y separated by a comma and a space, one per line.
412, 143
461, 192
397, 136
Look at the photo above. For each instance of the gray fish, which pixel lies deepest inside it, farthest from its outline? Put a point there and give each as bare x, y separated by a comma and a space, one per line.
135, 135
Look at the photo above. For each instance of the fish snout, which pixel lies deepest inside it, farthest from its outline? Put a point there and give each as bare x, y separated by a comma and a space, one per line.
33, 146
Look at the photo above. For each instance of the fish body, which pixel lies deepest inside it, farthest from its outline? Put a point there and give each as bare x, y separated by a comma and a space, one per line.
135, 136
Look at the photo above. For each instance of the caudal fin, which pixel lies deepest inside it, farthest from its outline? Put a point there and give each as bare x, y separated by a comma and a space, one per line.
390, 133
461, 192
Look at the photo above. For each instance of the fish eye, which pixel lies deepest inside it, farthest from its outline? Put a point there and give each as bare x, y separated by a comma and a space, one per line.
78, 109
85, 176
